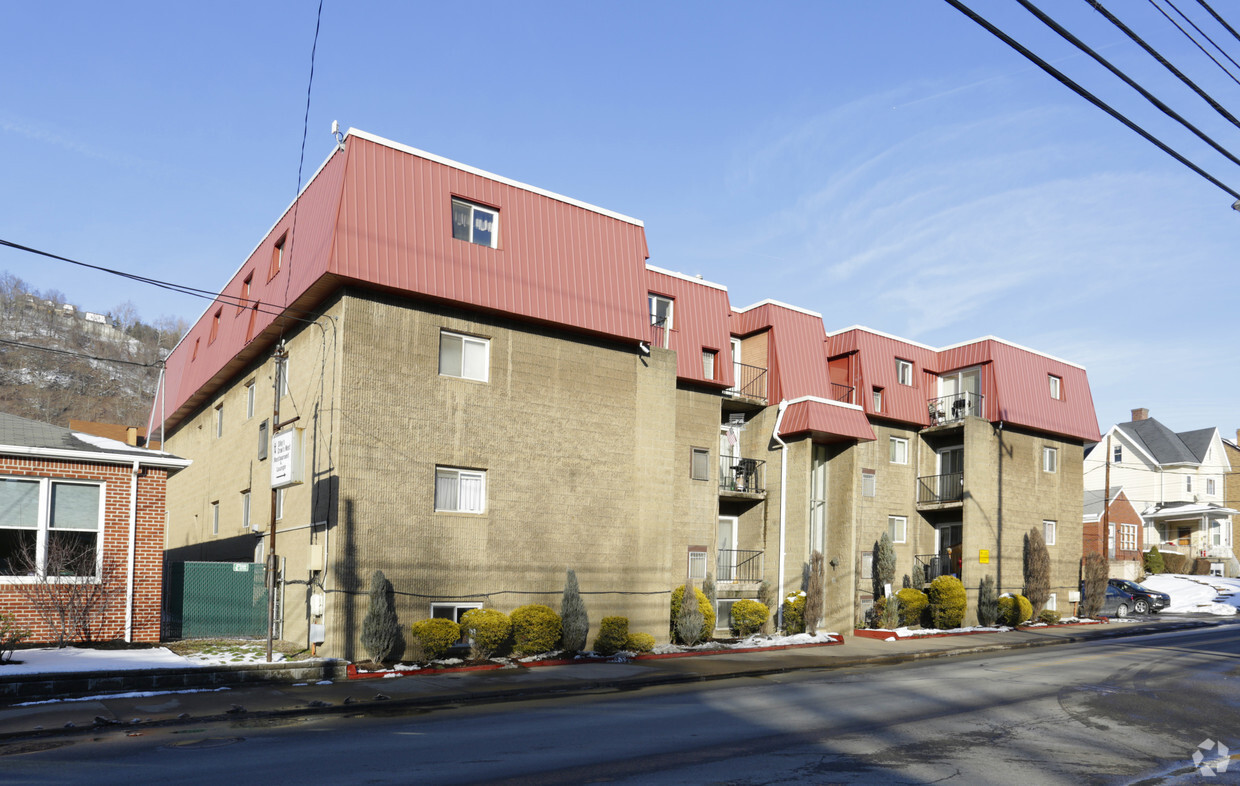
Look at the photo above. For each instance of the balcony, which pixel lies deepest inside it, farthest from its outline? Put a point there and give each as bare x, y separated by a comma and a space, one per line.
750, 383
954, 408
658, 333
941, 490
842, 393
742, 475
738, 565
935, 565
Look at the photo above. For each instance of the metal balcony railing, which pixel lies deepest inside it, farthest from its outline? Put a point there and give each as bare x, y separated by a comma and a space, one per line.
956, 407
658, 333
738, 565
750, 382
842, 393
742, 474
934, 565
941, 488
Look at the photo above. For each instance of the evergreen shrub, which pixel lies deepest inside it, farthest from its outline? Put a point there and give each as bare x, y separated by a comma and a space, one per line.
748, 617
535, 629
913, 603
1014, 610
1154, 561
1094, 584
987, 603
433, 637
575, 624
381, 635
639, 642
948, 602
613, 635
704, 607
487, 629
1050, 617
794, 614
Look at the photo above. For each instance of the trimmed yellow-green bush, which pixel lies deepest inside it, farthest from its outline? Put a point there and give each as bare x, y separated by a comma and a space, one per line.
1049, 617
434, 636
912, 603
704, 606
487, 630
535, 629
1014, 610
794, 614
613, 634
947, 602
748, 617
639, 642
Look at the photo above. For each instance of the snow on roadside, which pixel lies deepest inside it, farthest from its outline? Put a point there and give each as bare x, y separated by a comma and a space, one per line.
1197, 594
52, 660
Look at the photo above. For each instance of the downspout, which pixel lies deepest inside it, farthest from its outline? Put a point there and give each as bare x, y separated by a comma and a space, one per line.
133, 545
783, 503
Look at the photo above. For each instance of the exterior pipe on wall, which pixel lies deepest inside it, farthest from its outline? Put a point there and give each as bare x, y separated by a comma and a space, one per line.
133, 548
783, 502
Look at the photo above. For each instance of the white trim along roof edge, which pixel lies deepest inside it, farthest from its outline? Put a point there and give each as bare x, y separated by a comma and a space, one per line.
685, 277
153, 460
781, 304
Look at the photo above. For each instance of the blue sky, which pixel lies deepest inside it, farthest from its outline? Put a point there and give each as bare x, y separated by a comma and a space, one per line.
884, 163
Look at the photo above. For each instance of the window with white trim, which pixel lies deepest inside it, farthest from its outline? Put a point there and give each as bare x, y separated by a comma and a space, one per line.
219, 421
898, 449
1056, 386
868, 483
249, 399
465, 357
245, 509
280, 503
50, 526
697, 563
1117, 455
1210, 486
215, 518
897, 528
454, 612
904, 372
1052, 602
1128, 537
1048, 532
475, 223
1050, 459
699, 464
708, 363
1188, 483
660, 311
867, 565
878, 399
460, 490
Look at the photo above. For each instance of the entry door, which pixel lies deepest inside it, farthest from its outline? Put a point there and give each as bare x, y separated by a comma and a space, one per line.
951, 473
726, 558
950, 539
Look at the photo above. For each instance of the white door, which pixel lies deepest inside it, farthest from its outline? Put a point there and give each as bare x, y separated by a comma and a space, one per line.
737, 384
726, 559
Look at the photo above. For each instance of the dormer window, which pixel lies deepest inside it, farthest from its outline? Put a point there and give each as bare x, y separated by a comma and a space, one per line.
277, 257
1056, 384
708, 364
1118, 454
475, 223
904, 372
878, 399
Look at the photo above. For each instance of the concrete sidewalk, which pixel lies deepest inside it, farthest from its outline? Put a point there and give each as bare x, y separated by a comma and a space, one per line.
69, 716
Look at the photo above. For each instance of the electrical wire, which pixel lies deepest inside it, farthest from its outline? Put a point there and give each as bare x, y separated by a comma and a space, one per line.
78, 354
1147, 95
1203, 33
305, 128
1219, 19
1222, 67
1123, 28
1088, 96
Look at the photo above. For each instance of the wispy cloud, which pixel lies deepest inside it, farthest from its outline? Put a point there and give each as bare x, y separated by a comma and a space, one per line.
44, 135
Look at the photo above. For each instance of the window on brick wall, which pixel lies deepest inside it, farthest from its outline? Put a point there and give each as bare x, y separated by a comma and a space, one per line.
1128, 537
50, 527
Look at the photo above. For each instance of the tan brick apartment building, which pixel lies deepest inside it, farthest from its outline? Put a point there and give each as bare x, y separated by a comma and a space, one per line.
65, 492
492, 386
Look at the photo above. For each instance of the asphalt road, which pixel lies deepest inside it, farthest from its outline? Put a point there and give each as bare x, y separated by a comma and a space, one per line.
1119, 711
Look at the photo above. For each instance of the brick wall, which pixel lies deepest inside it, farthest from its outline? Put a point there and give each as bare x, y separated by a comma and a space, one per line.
114, 539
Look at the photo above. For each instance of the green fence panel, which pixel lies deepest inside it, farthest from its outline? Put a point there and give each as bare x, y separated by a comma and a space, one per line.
216, 600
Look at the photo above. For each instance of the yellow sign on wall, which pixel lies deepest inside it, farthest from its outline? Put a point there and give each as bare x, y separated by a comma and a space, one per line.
983, 556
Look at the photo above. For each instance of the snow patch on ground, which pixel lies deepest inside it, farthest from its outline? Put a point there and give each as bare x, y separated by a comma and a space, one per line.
53, 660
1197, 594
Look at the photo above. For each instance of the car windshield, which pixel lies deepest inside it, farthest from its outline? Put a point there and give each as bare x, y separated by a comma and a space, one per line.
1133, 586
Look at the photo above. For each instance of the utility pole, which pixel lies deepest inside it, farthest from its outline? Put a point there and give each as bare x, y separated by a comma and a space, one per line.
281, 355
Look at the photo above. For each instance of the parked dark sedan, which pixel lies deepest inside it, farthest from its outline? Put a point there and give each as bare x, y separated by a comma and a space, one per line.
1144, 599
1118, 603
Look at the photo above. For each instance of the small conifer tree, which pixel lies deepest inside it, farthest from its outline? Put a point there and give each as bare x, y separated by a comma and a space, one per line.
1037, 570
708, 589
1154, 562
689, 618
1094, 587
919, 576
987, 602
884, 565
573, 616
381, 635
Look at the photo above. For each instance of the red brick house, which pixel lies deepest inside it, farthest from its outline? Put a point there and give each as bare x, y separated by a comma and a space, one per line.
1121, 541
90, 509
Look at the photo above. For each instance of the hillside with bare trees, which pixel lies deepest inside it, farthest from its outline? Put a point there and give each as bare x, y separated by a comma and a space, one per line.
60, 362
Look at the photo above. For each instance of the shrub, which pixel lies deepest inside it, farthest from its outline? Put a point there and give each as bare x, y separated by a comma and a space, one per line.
613, 634
535, 629
912, 603
889, 617
883, 565
487, 629
380, 629
708, 589
687, 633
639, 642
10, 636
575, 624
987, 603
1176, 563
433, 637
1014, 610
947, 602
748, 617
814, 593
1094, 584
908, 582
1049, 617
1154, 561
794, 614
1037, 570
919, 576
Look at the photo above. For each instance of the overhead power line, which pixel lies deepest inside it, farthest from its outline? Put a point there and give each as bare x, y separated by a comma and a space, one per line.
1209, 99
1219, 19
1090, 97
1203, 33
1147, 95
1196, 43
76, 354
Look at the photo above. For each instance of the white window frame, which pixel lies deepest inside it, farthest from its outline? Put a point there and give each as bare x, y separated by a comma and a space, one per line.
282, 372
878, 399
1188, 484
1210, 486
652, 300
249, 399
904, 372
709, 358
245, 509
1048, 531
43, 527
1117, 454
457, 611
219, 420
867, 565
1056, 386
1050, 459
280, 503
897, 529
869, 479
696, 454
470, 341
459, 473
474, 209
896, 447
215, 517
1127, 537
697, 564
1052, 602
